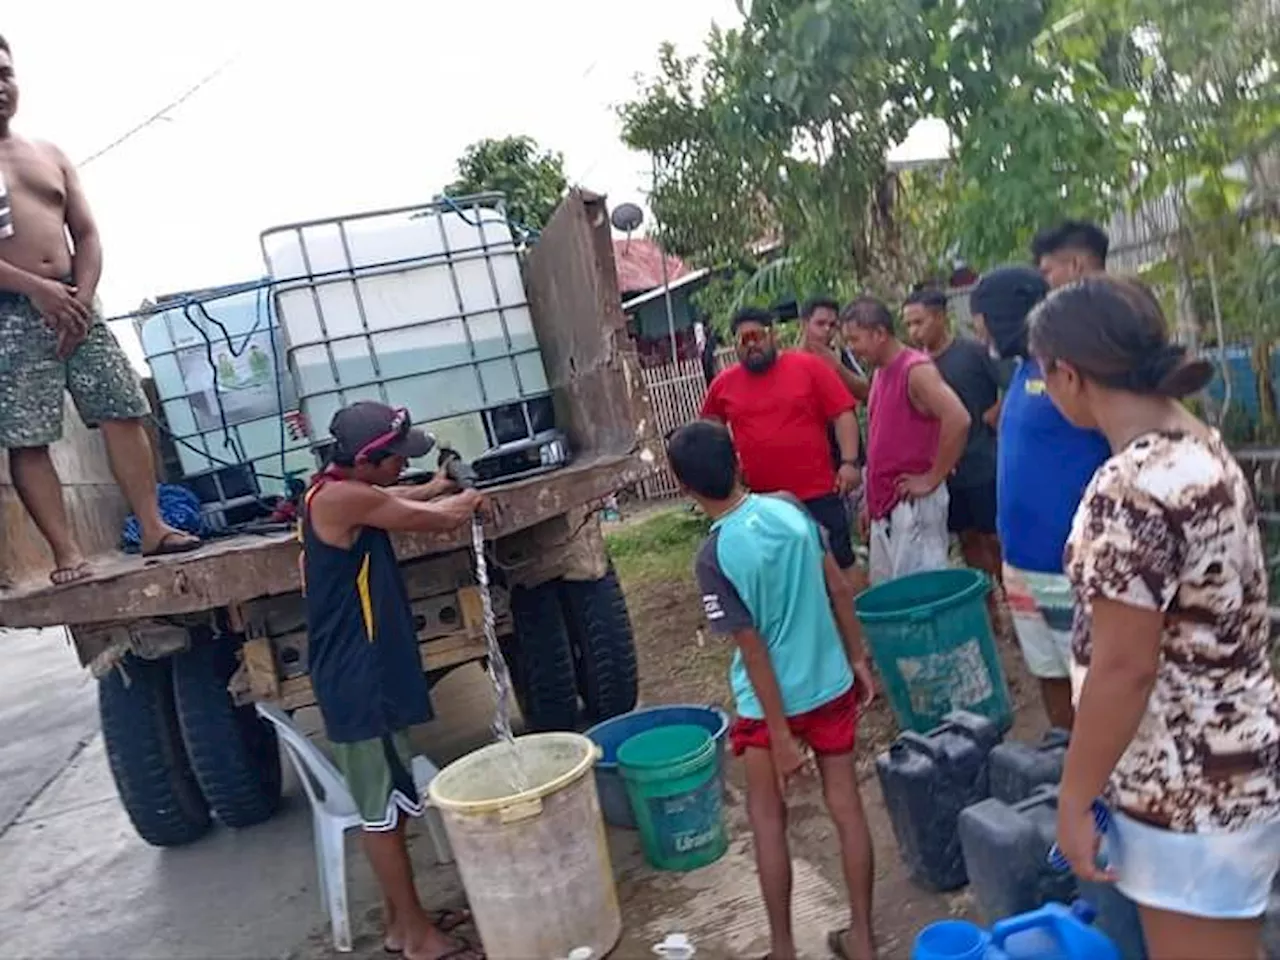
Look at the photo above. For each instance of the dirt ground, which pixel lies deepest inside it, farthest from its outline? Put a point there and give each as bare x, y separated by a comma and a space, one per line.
681, 663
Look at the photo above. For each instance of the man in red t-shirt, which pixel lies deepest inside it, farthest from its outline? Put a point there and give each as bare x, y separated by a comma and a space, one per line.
777, 405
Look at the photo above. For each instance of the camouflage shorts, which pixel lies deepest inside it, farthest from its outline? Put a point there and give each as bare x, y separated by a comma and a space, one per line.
99, 377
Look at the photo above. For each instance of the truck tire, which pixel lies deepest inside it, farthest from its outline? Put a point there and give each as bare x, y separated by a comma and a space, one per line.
146, 754
604, 649
233, 751
541, 659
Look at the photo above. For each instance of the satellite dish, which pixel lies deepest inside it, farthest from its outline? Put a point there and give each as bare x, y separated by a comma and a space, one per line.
626, 217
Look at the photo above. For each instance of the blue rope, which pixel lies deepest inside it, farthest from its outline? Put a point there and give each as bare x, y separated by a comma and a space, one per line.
179, 508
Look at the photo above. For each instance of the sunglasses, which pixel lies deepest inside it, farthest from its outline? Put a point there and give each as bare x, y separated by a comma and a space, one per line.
751, 338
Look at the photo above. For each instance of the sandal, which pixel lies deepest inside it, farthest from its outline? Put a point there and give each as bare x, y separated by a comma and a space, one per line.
446, 921
168, 546
65, 575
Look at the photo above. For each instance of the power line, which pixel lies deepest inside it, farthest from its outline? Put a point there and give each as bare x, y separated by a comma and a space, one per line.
160, 114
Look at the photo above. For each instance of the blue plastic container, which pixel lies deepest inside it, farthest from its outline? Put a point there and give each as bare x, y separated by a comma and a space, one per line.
931, 640
927, 779
1053, 932
611, 734
951, 940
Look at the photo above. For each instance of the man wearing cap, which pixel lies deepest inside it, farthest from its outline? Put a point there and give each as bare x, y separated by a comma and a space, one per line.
363, 645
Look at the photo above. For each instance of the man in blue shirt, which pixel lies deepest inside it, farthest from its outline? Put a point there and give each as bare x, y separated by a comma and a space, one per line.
1043, 466
799, 674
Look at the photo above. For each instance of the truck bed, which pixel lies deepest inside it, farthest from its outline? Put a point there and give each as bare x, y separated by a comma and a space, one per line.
234, 569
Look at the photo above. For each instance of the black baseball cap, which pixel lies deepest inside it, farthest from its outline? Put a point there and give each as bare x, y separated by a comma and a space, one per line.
367, 427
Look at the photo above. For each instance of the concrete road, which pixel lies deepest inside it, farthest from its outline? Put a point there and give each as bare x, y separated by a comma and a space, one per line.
76, 881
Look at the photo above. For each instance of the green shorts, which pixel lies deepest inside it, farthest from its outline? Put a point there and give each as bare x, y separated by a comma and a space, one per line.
99, 377
379, 774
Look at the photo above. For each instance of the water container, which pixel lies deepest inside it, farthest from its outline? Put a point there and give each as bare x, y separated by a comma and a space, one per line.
677, 796
1053, 932
927, 779
1018, 768
930, 637
422, 307
1005, 849
534, 862
951, 940
611, 734
220, 375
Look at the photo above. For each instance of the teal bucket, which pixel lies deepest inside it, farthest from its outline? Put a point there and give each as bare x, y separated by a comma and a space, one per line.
672, 775
931, 639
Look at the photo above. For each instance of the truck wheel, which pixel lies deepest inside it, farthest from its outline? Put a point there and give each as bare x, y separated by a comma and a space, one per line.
146, 754
604, 649
234, 752
541, 659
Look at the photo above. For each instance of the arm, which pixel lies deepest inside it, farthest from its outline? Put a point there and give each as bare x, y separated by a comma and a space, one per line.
841, 594
836, 404
930, 395
1128, 562
991, 416
755, 658
860, 387
713, 403
345, 507
437, 486
86, 264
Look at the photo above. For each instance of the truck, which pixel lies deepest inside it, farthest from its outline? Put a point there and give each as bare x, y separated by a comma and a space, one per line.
183, 646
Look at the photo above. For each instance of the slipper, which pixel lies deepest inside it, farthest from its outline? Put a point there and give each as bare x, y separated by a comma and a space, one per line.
168, 546
446, 921
835, 943
65, 575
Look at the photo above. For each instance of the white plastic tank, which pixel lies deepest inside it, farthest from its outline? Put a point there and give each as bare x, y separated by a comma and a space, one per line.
422, 307
218, 362
534, 861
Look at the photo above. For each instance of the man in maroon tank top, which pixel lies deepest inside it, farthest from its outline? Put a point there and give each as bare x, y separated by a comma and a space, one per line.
916, 432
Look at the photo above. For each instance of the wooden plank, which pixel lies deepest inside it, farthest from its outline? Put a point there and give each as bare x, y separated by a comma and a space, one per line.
260, 669
245, 567
450, 651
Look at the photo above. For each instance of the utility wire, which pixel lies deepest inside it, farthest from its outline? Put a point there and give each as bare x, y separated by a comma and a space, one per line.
161, 114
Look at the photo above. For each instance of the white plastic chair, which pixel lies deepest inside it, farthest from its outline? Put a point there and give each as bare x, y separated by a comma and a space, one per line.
333, 813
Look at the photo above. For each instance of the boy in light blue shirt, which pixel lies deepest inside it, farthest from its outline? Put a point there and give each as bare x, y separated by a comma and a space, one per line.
799, 674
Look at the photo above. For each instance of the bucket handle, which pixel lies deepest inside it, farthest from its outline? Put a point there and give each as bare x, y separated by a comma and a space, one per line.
524, 810
922, 743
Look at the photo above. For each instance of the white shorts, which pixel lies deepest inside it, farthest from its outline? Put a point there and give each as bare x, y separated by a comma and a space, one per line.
912, 539
1032, 597
1220, 876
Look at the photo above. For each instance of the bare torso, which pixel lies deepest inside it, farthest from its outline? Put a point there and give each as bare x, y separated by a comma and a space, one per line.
37, 184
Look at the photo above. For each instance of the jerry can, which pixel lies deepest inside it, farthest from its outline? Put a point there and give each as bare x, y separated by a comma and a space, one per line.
1017, 768
927, 779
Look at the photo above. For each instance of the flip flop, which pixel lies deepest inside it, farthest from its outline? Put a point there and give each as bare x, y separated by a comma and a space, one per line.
168, 547
835, 943
446, 921
65, 575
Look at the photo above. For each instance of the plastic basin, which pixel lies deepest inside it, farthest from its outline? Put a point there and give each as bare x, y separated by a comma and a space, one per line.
609, 735
671, 773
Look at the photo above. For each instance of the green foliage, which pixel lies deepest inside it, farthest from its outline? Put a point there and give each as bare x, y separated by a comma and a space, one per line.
778, 130
532, 179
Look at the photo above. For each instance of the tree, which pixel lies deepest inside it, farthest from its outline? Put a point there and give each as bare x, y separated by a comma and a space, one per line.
531, 179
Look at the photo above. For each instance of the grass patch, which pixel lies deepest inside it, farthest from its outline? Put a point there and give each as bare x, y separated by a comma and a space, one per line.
659, 547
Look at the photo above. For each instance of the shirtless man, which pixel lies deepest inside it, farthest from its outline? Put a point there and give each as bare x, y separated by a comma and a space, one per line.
51, 340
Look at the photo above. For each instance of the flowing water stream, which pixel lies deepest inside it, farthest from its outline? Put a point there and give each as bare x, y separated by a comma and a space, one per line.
496, 663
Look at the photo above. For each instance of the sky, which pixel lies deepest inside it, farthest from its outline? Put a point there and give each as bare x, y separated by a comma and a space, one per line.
320, 110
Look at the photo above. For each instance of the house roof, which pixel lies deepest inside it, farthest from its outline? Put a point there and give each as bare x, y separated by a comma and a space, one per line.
657, 292
639, 264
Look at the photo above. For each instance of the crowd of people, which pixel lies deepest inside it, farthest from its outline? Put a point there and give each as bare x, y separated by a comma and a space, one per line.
1117, 526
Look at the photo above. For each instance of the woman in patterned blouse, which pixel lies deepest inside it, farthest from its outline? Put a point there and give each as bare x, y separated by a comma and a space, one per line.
1178, 711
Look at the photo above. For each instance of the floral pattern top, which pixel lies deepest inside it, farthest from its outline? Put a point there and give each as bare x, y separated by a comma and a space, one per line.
1169, 524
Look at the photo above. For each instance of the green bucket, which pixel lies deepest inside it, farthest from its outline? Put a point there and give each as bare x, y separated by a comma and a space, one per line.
931, 639
672, 781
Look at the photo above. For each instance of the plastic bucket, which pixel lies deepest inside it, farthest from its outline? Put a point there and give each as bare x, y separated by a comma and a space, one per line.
931, 640
533, 857
951, 940
672, 779
611, 734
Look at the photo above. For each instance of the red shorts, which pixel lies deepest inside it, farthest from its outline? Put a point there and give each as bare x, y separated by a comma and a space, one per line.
829, 730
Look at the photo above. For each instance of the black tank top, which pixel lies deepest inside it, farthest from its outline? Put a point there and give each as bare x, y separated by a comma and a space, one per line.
362, 647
